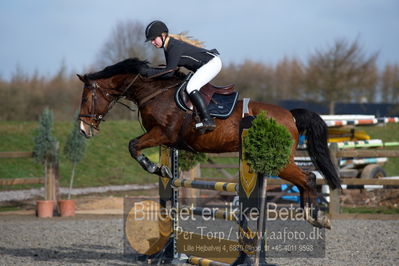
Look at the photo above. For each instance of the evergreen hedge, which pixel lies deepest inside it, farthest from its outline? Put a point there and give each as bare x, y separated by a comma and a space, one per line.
267, 145
45, 151
74, 151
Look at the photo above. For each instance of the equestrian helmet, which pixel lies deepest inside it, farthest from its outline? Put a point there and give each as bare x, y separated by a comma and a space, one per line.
155, 29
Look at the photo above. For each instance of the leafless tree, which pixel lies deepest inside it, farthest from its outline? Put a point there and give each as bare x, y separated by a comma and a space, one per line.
340, 73
126, 41
288, 79
251, 79
390, 83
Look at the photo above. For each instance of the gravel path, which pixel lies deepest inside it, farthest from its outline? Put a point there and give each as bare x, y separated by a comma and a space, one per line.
25, 194
98, 240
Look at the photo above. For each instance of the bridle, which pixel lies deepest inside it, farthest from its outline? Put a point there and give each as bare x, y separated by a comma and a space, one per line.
94, 87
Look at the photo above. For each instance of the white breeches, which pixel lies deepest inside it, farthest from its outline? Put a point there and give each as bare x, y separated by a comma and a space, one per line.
204, 74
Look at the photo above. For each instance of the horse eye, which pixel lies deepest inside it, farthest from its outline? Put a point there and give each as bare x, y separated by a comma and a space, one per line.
84, 100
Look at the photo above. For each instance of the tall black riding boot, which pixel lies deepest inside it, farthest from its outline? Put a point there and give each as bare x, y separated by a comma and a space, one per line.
207, 121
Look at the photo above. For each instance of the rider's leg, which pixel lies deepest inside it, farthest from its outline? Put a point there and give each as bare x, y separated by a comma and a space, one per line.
201, 77
207, 121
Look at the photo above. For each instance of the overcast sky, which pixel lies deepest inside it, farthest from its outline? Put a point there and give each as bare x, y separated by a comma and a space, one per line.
41, 34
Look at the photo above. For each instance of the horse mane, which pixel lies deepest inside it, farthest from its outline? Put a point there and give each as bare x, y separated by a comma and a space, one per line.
127, 66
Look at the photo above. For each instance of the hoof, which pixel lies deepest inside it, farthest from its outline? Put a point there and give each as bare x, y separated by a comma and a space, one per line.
322, 221
165, 172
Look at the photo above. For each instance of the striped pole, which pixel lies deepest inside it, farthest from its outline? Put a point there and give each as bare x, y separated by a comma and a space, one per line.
364, 161
361, 121
388, 120
392, 143
366, 144
209, 185
360, 144
205, 262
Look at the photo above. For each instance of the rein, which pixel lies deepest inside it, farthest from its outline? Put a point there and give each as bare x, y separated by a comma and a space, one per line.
148, 98
122, 95
156, 93
106, 94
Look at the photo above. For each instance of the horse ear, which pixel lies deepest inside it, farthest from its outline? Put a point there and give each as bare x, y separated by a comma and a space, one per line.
82, 78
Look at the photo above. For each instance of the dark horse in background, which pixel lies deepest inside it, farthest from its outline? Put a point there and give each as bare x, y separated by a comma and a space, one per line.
168, 125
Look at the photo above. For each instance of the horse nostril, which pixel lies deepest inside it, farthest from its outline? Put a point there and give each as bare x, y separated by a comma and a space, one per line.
84, 133
83, 130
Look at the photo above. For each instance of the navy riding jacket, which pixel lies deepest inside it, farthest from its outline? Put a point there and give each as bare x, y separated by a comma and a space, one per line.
181, 54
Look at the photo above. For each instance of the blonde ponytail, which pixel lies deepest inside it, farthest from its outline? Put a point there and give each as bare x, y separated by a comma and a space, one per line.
183, 36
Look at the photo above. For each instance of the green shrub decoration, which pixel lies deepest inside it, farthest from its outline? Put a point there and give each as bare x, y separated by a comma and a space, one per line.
187, 160
74, 151
267, 145
75, 145
44, 150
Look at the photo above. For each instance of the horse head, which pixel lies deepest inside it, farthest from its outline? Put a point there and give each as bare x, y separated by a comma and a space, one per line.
101, 90
94, 105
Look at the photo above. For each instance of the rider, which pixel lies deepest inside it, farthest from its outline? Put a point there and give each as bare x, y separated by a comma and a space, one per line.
205, 64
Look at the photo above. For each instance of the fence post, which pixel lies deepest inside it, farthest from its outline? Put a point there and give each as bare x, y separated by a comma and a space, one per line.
334, 155
190, 196
334, 205
50, 186
52, 179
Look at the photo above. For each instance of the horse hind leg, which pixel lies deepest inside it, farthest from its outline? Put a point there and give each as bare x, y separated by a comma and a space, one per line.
313, 214
306, 182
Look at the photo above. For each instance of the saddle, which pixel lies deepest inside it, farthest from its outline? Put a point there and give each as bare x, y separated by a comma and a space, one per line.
220, 100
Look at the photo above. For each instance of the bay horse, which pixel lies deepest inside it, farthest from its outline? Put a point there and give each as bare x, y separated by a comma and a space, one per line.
168, 125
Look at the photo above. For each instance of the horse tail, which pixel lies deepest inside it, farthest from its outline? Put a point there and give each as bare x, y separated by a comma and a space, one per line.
315, 130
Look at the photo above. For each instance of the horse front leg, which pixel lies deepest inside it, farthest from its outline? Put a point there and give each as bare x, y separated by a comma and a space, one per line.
153, 138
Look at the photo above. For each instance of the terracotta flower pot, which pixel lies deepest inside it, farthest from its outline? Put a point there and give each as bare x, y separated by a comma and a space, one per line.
45, 208
67, 207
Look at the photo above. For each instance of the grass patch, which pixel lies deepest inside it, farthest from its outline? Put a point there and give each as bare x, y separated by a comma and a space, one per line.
107, 160
215, 173
370, 210
10, 208
386, 132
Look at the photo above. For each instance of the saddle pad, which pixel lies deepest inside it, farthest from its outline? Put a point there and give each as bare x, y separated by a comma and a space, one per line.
221, 106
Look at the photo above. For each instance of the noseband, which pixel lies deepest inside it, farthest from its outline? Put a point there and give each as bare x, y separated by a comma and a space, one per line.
94, 87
